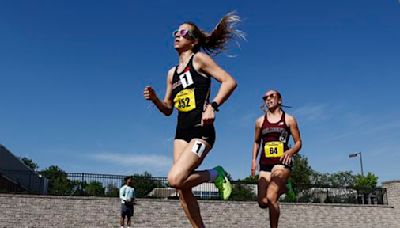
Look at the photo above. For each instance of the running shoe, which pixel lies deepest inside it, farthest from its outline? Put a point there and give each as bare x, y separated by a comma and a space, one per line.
222, 183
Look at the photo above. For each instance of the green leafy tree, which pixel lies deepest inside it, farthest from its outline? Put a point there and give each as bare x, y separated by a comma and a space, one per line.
319, 179
94, 188
339, 179
112, 190
365, 184
290, 195
342, 179
76, 187
58, 181
28, 162
144, 184
242, 192
300, 176
251, 180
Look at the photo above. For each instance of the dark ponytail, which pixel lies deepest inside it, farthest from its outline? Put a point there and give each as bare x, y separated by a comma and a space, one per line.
215, 42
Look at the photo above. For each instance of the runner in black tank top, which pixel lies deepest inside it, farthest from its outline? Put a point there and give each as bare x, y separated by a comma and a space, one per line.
188, 90
272, 133
190, 112
191, 92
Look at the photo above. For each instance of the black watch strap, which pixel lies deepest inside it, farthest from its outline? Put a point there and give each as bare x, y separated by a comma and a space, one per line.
214, 105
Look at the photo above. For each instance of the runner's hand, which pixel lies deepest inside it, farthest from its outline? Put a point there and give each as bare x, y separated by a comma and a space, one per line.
149, 93
208, 115
253, 167
286, 159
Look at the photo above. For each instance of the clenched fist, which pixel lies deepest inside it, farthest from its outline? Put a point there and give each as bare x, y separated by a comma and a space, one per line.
149, 93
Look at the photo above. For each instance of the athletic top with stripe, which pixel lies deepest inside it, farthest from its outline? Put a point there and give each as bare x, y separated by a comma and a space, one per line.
271, 132
189, 78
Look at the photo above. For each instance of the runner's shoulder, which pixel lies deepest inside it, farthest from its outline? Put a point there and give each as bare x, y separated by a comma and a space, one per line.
289, 119
260, 120
201, 58
171, 71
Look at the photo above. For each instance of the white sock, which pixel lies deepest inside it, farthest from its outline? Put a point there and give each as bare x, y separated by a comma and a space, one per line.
213, 174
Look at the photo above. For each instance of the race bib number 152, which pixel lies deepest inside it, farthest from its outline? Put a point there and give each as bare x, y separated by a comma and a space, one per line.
184, 100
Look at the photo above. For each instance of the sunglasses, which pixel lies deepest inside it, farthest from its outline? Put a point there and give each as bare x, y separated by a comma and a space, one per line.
184, 33
272, 95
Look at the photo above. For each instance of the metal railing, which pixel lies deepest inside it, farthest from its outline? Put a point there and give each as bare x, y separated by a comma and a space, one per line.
330, 194
146, 186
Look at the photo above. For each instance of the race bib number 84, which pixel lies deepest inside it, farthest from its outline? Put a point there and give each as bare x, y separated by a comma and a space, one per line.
273, 149
184, 100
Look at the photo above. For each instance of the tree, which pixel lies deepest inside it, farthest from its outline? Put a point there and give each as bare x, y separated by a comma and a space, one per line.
319, 179
94, 188
339, 179
58, 181
251, 180
112, 190
300, 176
28, 162
365, 184
144, 184
242, 192
243, 189
342, 179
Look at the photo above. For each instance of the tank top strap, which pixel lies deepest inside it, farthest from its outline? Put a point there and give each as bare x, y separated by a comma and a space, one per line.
265, 121
283, 117
190, 63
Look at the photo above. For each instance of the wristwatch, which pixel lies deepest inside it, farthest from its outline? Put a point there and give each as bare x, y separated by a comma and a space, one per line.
214, 105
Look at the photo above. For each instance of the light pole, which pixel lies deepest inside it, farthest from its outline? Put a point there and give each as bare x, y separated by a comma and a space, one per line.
355, 155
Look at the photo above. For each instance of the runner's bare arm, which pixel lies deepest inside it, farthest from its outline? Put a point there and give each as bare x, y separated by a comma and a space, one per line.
294, 129
228, 84
165, 106
256, 145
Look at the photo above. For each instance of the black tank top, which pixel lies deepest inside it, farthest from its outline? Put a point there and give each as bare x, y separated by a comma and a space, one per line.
191, 92
275, 133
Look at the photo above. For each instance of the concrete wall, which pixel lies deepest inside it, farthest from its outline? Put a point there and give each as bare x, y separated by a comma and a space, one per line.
47, 211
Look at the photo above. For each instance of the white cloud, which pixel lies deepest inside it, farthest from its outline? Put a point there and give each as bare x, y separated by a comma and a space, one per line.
141, 160
248, 119
362, 130
311, 113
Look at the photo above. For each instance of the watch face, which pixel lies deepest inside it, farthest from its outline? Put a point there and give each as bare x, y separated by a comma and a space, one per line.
214, 105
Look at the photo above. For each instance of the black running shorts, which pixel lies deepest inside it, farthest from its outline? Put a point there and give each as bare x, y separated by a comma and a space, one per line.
205, 132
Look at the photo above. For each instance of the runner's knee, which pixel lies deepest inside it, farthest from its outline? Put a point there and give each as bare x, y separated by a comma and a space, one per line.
263, 202
174, 180
272, 198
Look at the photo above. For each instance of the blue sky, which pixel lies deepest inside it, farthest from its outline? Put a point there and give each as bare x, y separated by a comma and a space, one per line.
72, 75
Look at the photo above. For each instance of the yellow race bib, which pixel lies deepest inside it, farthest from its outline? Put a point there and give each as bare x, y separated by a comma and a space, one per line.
274, 149
184, 100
